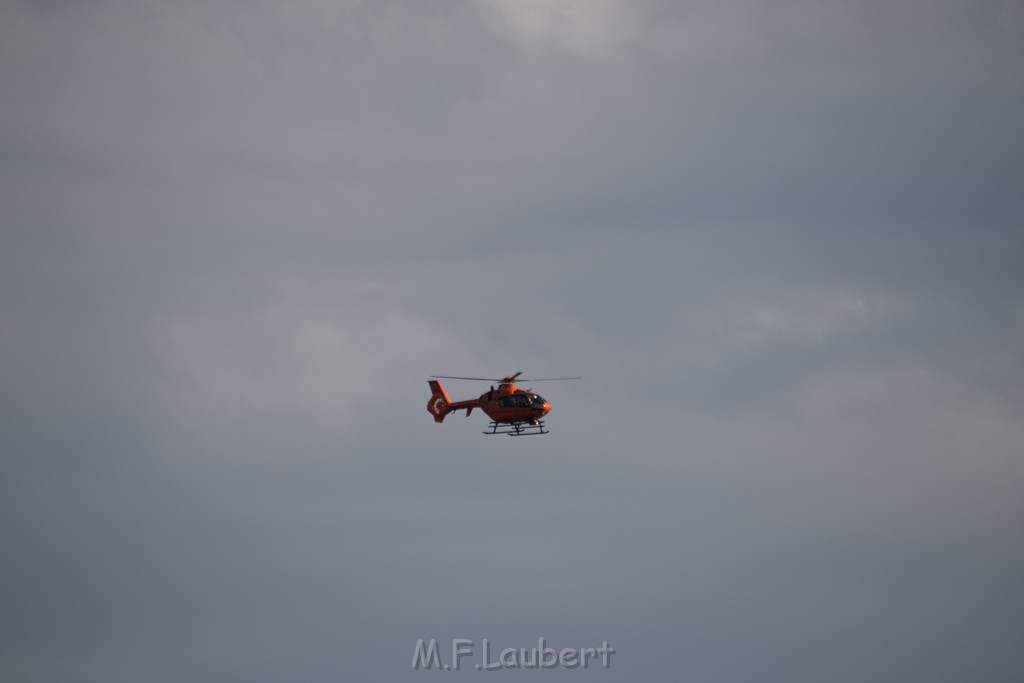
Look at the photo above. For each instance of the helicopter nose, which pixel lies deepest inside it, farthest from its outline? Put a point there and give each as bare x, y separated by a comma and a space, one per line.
546, 408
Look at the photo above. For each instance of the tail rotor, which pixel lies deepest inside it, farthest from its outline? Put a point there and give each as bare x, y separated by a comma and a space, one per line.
439, 404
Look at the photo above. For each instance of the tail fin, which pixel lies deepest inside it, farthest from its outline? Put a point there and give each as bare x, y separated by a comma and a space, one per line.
439, 404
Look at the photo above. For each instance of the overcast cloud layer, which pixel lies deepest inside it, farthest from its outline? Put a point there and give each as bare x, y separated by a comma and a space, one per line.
783, 242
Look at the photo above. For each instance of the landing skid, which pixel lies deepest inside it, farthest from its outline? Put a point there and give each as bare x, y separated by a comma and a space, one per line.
517, 428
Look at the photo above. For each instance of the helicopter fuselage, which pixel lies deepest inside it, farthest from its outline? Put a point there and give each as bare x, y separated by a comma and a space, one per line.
505, 404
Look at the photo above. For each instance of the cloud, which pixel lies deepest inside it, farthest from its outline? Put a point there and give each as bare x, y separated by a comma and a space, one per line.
588, 29
330, 353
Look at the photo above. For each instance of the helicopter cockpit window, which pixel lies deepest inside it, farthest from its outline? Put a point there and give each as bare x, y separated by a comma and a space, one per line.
520, 401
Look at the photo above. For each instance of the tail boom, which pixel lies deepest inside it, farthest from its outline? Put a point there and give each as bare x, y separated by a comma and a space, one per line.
440, 404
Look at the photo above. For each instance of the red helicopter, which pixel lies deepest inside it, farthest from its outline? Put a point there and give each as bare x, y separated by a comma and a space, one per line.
513, 411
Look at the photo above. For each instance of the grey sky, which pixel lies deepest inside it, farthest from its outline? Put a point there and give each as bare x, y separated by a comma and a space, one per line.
783, 242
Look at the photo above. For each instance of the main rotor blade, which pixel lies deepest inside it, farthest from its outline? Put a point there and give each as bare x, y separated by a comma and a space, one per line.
546, 379
502, 379
475, 379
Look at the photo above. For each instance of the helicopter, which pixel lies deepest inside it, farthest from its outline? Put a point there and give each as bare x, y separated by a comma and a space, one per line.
513, 411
